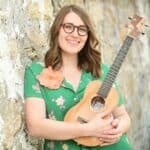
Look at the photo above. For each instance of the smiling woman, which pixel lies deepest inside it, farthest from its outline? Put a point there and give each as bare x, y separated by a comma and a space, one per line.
71, 63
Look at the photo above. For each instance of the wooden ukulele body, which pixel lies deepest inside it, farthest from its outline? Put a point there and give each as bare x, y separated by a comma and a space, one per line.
84, 112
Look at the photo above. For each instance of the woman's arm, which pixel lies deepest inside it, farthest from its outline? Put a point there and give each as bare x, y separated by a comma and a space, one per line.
121, 114
39, 126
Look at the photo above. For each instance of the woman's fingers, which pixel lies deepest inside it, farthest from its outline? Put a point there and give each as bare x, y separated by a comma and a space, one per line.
110, 140
115, 123
113, 131
110, 137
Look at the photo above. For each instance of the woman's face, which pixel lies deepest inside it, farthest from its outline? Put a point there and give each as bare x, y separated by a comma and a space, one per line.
73, 34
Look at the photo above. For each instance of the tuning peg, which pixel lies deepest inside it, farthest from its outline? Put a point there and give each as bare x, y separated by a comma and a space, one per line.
130, 18
146, 25
142, 33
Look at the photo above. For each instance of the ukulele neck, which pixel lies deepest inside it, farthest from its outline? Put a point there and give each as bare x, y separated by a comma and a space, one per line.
115, 67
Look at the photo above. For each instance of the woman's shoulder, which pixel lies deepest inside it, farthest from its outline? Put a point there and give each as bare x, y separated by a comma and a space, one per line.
104, 69
36, 67
35, 64
105, 66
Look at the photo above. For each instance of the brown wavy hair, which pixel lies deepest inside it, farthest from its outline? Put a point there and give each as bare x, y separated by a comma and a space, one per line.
89, 58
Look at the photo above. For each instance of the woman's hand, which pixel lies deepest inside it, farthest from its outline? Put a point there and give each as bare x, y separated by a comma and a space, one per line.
112, 135
98, 124
120, 125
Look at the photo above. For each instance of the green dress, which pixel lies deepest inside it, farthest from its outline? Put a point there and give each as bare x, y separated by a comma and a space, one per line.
60, 100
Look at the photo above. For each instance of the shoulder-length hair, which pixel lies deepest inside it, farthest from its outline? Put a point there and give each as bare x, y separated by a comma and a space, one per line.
89, 58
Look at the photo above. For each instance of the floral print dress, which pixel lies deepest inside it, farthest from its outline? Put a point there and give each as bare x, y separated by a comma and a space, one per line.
60, 99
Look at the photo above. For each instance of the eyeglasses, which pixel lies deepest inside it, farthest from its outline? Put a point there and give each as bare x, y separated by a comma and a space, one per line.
69, 28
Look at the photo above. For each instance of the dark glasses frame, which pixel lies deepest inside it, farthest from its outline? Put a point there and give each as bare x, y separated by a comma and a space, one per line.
82, 29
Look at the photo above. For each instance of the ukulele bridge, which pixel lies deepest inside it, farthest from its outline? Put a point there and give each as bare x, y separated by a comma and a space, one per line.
82, 120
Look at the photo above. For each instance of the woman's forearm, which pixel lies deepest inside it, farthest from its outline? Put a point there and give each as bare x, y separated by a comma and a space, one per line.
125, 123
123, 117
57, 130
40, 126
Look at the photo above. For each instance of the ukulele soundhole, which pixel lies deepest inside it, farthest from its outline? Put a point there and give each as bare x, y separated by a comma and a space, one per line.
97, 103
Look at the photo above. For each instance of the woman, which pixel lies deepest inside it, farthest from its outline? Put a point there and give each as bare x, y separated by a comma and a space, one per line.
50, 90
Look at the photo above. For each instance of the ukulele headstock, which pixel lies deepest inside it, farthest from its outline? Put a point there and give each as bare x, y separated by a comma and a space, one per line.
136, 26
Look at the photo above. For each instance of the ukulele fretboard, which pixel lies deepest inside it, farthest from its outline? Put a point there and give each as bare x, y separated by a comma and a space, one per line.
115, 67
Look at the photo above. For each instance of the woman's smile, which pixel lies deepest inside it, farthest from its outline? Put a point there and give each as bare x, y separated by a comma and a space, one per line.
73, 42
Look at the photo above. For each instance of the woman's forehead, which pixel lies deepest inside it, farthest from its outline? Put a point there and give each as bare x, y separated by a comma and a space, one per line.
72, 17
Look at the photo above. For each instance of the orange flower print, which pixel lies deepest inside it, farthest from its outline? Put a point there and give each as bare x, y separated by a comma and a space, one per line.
50, 78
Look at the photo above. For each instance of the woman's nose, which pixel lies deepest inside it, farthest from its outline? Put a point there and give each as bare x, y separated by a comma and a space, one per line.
75, 32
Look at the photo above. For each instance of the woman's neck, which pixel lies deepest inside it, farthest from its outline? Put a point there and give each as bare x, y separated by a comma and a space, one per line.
70, 62
71, 71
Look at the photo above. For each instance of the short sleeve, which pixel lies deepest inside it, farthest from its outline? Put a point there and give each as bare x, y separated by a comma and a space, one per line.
31, 84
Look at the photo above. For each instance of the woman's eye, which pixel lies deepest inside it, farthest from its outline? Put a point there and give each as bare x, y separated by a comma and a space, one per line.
68, 26
83, 29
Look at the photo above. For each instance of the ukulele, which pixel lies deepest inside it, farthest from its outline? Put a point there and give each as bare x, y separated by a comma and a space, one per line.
99, 96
